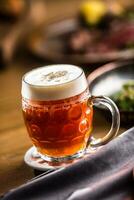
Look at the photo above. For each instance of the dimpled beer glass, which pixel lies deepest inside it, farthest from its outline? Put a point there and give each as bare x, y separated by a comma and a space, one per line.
58, 111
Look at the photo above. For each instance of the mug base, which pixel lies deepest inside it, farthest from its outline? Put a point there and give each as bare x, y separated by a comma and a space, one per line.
33, 159
62, 159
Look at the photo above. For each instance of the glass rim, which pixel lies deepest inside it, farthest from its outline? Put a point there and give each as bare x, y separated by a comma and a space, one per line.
47, 86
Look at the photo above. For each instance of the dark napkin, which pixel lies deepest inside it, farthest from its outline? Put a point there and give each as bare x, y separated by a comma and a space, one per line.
106, 174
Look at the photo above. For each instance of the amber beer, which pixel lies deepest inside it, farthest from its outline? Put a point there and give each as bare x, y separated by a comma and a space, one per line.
58, 111
54, 101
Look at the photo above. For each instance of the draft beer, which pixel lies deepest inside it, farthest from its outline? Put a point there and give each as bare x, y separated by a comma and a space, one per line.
58, 111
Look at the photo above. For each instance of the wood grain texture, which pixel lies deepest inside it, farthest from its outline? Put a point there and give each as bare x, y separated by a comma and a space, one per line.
13, 138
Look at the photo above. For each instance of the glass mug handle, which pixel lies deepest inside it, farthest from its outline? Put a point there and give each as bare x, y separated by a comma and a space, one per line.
107, 102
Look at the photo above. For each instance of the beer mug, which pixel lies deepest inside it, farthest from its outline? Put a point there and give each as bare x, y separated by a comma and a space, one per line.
58, 112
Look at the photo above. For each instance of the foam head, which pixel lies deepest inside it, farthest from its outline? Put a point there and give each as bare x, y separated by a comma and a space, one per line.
53, 82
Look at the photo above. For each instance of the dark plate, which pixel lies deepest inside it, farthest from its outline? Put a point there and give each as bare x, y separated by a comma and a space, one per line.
109, 79
50, 46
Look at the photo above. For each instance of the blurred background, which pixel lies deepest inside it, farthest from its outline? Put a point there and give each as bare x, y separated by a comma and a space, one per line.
81, 32
33, 33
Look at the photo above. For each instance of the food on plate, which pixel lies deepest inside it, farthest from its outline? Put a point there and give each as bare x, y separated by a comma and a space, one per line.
103, 27
125, 97
92, 11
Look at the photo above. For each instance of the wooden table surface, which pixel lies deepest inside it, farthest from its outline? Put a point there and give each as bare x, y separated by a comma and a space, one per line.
14, 141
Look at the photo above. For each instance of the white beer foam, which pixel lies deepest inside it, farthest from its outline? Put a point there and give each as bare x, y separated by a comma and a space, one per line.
53, 82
